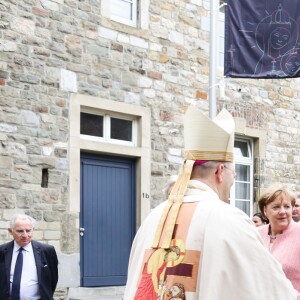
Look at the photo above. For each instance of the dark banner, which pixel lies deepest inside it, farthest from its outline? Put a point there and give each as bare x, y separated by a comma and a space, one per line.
262, 39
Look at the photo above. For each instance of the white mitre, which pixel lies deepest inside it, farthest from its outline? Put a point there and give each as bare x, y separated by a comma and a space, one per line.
207, 139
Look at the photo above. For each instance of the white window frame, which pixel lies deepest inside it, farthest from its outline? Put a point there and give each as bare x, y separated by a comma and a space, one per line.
141, 14
246, 161
107, 126
131, 22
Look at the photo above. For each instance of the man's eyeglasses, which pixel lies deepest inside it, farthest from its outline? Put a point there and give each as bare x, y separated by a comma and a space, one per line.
22, 231
232, 171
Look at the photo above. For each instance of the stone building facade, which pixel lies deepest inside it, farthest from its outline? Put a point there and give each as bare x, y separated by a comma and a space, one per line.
59, 58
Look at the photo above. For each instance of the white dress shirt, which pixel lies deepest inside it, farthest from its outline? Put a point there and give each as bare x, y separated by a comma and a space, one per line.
29, 289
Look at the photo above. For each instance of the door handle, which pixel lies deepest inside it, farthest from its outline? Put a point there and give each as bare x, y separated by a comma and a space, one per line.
81, 231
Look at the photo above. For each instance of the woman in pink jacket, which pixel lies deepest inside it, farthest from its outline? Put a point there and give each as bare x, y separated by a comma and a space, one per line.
282, 236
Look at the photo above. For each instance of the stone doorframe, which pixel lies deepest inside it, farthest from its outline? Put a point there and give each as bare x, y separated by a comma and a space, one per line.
142, 152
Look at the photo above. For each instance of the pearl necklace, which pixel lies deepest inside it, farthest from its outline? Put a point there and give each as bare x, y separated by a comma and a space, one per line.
272, 236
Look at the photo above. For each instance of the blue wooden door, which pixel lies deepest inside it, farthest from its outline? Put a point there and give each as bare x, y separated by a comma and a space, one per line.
107, 219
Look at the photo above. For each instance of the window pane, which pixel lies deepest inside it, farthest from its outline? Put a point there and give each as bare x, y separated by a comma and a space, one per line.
244, 206
241, 149
242, 172
242, 190
122, 8
91, 124
121, 129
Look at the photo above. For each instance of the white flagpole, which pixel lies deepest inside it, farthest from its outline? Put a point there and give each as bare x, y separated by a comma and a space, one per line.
213, 56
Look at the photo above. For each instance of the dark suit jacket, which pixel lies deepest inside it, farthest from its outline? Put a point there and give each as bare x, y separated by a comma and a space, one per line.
46, 266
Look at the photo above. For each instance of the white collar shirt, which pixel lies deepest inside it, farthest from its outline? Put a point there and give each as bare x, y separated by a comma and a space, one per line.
29, 289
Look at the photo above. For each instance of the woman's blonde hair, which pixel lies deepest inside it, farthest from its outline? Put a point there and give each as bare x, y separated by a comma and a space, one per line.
270, 196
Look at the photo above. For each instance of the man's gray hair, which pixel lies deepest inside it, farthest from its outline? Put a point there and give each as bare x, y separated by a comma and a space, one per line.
21, 217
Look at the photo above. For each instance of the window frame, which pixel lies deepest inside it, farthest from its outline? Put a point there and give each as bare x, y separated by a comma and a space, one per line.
141, 19
246, 161
107, 128
134, 12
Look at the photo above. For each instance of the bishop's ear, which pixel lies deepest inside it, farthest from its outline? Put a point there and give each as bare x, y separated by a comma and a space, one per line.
219, 172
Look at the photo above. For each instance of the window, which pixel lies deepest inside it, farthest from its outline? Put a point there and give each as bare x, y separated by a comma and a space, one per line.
121, 129
134, 13
241, 194
109, 128
91, 124
124, 11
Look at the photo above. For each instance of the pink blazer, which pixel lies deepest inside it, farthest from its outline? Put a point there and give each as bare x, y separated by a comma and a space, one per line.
286, 249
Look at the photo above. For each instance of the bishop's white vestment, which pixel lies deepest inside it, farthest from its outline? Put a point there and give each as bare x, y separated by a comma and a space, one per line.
216, 253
